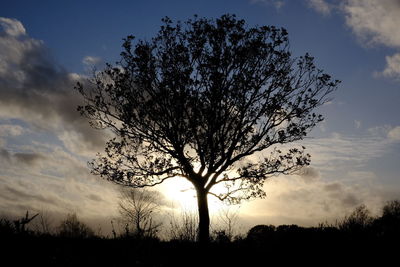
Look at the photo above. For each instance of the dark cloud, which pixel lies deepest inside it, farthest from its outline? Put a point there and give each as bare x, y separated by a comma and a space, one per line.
4, 155
15, 194
309, 174
333, 187
20, 158
28, 158
94, 197
35, 89
350, 200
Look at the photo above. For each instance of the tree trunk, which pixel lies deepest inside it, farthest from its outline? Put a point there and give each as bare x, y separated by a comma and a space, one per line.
204, 217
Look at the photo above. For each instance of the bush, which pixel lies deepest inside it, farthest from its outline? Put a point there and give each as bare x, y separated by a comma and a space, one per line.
359, 221
71, 227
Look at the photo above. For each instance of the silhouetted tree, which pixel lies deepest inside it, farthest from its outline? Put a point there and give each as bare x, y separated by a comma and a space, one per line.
138, 208
198, 99
389, 223
225, 229
261, 233
71, 227
359, 221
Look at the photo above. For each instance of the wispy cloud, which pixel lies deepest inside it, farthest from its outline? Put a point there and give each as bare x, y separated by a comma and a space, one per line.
12, 27
36, 90
374, 22
43, 139
394, 133
392, 69
10, 130
321, 6
278, 4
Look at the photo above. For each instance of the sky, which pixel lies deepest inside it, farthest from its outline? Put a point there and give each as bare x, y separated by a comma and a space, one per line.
47, 46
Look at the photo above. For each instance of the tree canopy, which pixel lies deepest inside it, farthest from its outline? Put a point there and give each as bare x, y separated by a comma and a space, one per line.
201, 97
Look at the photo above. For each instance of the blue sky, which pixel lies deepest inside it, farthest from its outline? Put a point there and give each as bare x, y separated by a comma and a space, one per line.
46, 46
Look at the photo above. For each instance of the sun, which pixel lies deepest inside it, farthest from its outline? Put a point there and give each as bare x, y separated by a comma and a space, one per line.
183, 195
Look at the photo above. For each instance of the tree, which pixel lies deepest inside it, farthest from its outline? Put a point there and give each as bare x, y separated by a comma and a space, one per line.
71, 227
197, 100
138, 208
358, 221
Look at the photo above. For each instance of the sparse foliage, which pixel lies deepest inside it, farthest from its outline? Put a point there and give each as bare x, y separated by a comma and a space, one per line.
226, 224
138, 208
183, 227
199, 98
359, 220
71, 227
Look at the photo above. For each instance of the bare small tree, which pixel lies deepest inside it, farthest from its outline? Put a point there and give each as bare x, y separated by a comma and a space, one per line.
71, 227
226, 223
138, 208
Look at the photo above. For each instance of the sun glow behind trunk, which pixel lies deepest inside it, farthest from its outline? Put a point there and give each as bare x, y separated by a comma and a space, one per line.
183, 196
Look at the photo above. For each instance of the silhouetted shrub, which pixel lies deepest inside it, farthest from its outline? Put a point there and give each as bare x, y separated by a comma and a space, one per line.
184, 228
221, 237
388, 225
6, 227
71, 227
261, 233
357, 222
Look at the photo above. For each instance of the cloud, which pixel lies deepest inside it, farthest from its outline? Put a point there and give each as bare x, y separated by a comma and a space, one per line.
309, 174
43, 139
292, 201
12, 27
374, 21
357, 124
394, 133
321, 6
36, 90
62, 184
29, 159
91, 61
392, 69
388, 132
278, 4
10, 130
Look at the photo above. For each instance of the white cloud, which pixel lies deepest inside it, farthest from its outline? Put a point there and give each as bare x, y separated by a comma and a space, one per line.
278, 4
321, 6
58, 182
357, 124
36, 90
12, 27
292, 201
10, 130
374, 21
392, 69
91, 61
394, 133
